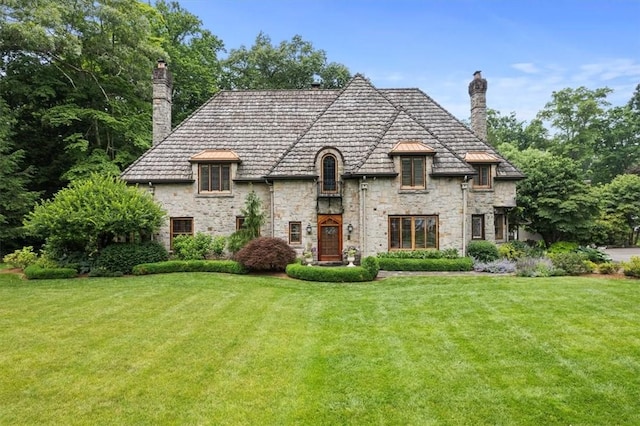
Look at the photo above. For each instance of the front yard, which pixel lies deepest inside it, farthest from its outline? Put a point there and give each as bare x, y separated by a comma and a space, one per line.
197, 348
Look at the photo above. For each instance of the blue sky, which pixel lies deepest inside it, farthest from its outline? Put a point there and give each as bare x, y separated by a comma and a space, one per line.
525, 49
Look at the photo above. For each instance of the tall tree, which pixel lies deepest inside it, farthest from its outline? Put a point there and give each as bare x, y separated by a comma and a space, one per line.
289, 65
15, 199
507, 129
192, 55
620, 201
554, 200
579, 118
77, 75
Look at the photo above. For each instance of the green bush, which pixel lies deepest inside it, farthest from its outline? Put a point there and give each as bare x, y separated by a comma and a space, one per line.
372, 265
192, 247
460, 264
338, 274
224, 266
219, 243
632, 267
21, 258
608, 268
483, 251
450, 253
123, 257
536, 267
512, 250
562, 247
35, 272
593, 254
572, 263
412, 254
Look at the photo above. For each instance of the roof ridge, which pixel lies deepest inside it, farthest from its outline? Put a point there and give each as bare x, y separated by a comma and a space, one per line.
315, 120
374, 145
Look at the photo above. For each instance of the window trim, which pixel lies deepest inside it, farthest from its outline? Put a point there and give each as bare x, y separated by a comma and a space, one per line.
173, 234
503, 224
427, 217
335, 174
221, 178
482, 234
293, 240
239, 222
423, 176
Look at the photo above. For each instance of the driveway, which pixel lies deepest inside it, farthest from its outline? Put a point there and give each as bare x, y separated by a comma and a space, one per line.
622, 254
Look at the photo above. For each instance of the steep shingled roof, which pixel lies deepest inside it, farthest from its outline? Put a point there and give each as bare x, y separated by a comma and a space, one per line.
278, 133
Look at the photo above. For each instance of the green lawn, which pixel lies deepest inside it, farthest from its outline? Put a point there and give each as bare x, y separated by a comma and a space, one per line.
228, 349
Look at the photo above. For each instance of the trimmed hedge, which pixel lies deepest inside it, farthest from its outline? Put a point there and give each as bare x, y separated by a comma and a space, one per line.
35, 272
337, 274
224, 266
122, 257
460, 264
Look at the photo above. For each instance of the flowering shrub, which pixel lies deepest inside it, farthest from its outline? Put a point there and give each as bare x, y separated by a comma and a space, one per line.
535, 267
500, 266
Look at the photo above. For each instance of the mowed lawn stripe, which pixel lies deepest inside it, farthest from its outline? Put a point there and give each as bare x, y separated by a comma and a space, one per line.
224, 349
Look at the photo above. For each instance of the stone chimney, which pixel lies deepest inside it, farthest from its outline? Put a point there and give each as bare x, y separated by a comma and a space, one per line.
478, 93
162, 87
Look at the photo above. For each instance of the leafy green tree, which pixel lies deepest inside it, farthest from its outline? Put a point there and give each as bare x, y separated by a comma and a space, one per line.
192, 55
254, 218
621, 209
89, 214
579, 118
554, 200
289, 65
15, 199
509, 130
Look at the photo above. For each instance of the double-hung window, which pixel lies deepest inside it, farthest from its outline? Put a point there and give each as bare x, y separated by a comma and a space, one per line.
477, 227
180, 226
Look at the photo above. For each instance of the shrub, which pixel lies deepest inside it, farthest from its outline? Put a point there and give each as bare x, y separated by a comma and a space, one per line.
562, 247
593, 254
266, 254
224, 266
21, 258
190, 247
77, 260
123, 257
608, 268
460, 264
219, 243
572, 263
35, 272
632, 267
500, 266
412, 254
535, 267
339, 274
483, 251
372, 265
511, 251
450, 253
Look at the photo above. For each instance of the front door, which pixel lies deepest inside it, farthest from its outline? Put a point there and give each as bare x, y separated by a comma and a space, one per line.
330, 237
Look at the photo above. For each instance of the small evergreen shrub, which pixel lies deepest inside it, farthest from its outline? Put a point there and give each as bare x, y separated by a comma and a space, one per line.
562, 247
170, 266
570, 262
500, 266
123, 257
392, 264
266, 254
35, 272
608, 268
192, 247
632, 267
21, 258
535, 267
372, 265
339, 274
483, 251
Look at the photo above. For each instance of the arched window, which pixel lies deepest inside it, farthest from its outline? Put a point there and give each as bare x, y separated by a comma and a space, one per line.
329, 173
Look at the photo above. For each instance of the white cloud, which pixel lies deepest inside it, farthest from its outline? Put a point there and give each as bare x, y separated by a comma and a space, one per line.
526, 67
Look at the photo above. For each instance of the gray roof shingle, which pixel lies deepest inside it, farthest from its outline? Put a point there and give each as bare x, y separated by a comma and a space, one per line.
277, 133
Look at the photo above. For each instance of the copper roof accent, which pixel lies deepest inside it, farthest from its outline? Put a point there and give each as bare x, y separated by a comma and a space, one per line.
216, 155
480, 157
411, 147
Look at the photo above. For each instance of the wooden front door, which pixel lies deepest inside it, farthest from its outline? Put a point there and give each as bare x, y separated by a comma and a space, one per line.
330, 237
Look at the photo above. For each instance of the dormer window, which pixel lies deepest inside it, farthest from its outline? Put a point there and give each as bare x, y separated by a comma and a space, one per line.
413, 163
215, 170
483, 163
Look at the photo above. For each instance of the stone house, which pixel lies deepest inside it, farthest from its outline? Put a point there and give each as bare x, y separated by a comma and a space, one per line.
376, 169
